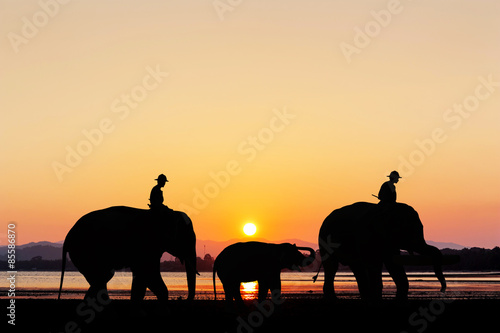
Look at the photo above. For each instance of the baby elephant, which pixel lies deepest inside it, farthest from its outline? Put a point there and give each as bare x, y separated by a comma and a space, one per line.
257, 261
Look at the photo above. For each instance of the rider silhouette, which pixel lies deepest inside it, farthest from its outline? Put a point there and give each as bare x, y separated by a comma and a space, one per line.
387, 193
156, 196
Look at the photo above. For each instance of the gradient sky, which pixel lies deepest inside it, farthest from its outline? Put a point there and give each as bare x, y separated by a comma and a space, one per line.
275, 112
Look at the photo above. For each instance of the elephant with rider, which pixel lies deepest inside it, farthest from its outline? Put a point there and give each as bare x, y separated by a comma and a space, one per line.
365, 236
114, 238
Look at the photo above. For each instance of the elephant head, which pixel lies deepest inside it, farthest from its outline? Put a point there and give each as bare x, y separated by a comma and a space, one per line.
291, 257
433, 257
183, 246
405, 231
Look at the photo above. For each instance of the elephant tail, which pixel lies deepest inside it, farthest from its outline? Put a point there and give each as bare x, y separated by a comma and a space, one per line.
213, 278
317, 274
64, 253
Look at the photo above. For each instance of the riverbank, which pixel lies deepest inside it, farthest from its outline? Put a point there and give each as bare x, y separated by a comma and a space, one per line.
471, 299
124, 294
41, 284
299, 314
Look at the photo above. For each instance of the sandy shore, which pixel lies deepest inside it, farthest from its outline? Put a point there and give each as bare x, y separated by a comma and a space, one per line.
299, 314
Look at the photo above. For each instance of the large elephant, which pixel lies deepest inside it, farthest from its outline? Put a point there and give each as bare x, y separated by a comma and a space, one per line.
364, 236
257, 261
118, 237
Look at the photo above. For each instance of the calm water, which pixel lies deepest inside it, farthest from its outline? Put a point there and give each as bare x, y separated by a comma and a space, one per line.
45, 285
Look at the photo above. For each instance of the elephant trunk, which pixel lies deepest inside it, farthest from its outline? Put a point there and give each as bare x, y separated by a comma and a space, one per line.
437, 261
309, 259
191, 276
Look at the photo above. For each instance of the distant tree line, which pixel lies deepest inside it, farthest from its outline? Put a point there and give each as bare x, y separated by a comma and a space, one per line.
475, 259
202, 265
37, 263
471, 259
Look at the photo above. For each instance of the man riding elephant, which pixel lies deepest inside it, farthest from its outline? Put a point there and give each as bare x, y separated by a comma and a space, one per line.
157, 208
156, 196
387, 193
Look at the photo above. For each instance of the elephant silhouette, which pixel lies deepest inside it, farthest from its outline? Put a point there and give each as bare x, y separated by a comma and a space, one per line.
257, 261
364, 236
105, 240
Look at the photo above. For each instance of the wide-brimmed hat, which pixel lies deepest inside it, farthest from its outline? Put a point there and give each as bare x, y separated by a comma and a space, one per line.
162, 177
394, 174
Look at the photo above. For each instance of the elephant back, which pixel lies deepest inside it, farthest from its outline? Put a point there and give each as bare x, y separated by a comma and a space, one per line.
365, 224
113, 235
346, 220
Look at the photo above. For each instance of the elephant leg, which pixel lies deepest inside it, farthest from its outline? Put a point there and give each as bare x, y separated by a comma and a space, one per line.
330, 265
369, 281
375, 282
157, 286
228, 296
264, 286
231, 290
275, 286
237, 296
95, 289
271, 283
98, 280
138, 288
399, 277
362, 279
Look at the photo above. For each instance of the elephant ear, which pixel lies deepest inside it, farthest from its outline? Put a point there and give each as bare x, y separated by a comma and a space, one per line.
283, 255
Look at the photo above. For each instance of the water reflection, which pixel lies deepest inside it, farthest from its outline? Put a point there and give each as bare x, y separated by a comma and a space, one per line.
46, 284
249, 290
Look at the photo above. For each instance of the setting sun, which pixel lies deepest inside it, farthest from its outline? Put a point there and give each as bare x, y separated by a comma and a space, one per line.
249, 229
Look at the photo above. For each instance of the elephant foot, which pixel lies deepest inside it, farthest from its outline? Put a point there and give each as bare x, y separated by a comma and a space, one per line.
137, 311
241, 308
401, 300
371, 301
162, 310
229, 309
330, 298
140, 312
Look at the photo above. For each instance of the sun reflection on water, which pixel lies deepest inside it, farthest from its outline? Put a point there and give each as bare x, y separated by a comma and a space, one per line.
249, 290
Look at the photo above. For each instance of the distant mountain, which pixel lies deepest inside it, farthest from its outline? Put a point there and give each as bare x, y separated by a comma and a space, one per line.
47, 250
441, 245
42, 243
53, 251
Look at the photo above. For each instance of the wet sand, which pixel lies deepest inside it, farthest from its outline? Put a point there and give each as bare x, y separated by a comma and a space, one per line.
297, 313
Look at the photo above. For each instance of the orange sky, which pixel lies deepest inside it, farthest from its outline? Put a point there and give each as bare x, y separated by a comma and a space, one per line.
275, 112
